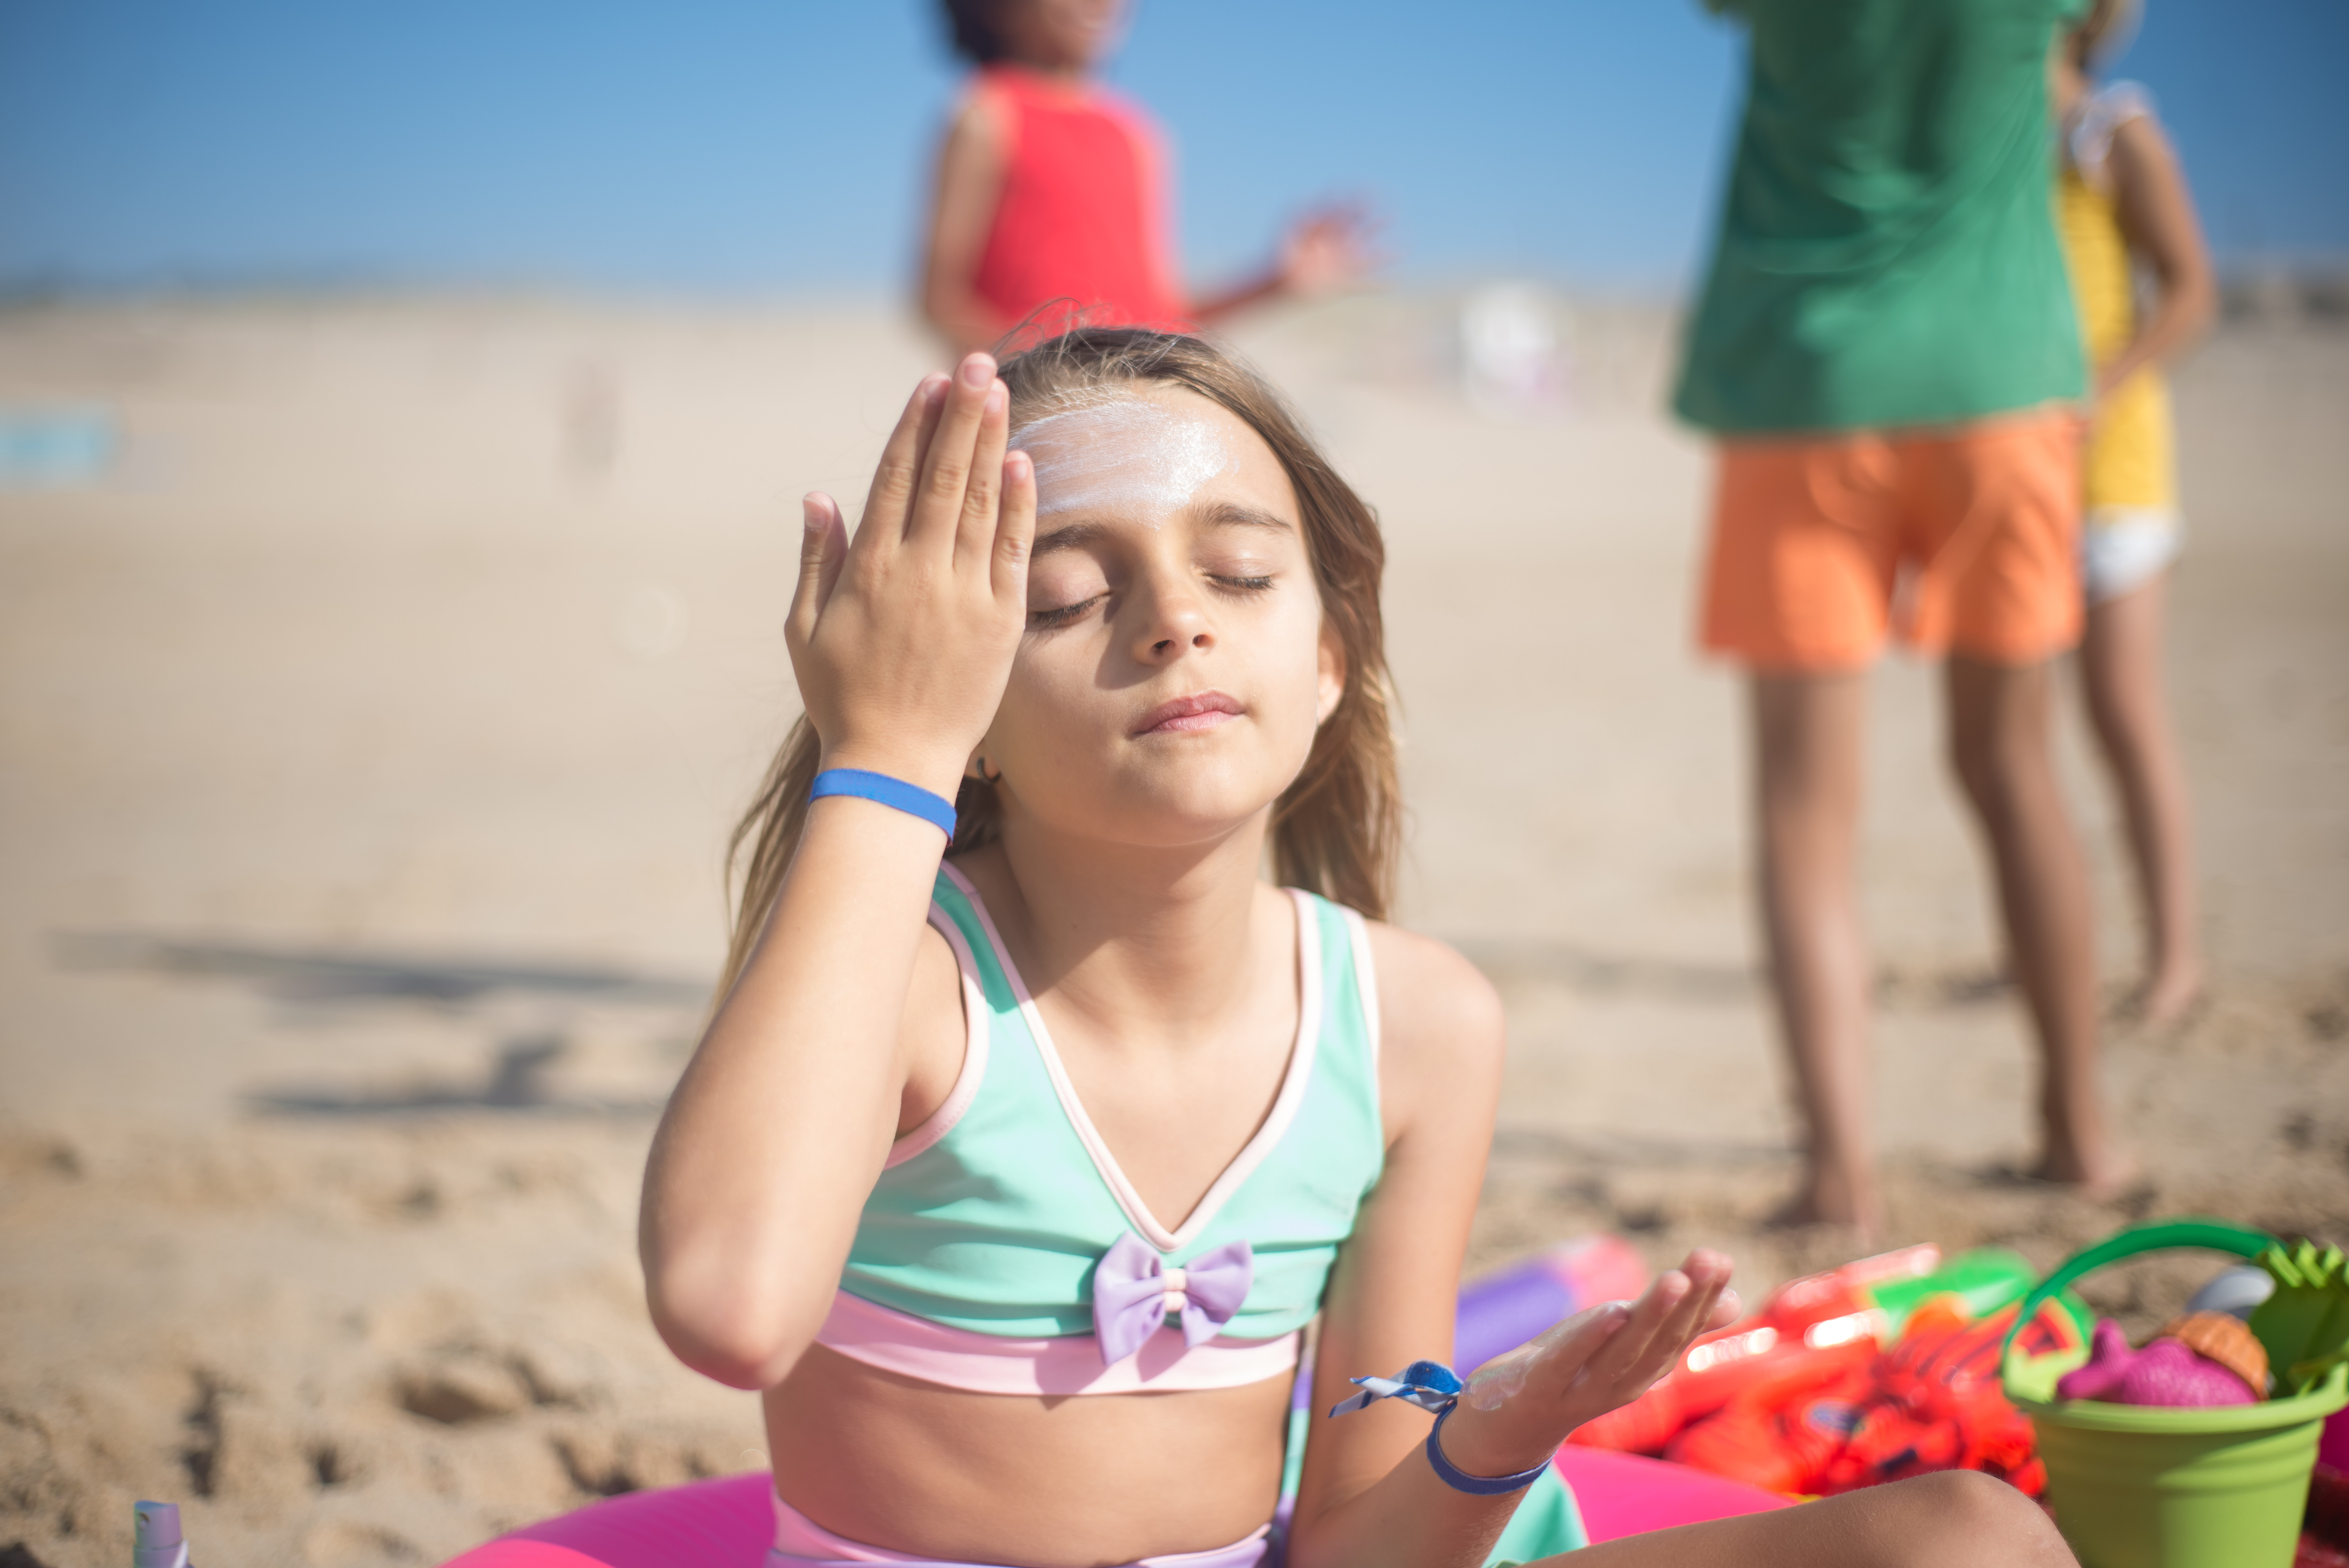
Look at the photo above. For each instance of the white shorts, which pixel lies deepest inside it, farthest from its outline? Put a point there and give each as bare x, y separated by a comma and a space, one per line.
2125, 547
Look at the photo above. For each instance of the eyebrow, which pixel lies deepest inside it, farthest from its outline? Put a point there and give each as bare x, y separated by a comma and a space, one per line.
1075, 536
1230, 514
1221, 514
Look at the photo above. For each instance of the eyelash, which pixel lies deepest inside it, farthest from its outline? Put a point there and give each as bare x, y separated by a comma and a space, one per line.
1045, 620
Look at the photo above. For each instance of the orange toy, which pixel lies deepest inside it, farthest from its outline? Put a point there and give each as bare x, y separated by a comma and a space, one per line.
1809, 1330
2225, 1338
1782, 1437
1937, 1405
1932, 1402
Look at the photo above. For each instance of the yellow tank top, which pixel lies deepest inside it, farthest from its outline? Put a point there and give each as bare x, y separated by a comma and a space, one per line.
2130, 461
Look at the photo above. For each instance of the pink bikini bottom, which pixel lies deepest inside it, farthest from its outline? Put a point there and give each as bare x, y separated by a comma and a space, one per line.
802, 1543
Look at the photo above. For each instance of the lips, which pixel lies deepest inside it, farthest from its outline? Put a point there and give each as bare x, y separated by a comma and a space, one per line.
1203, 710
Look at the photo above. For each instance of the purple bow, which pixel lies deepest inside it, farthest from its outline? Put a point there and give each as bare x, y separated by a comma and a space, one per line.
1134, 1291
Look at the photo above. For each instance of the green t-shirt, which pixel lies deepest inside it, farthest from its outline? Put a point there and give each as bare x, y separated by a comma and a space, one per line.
1887, 252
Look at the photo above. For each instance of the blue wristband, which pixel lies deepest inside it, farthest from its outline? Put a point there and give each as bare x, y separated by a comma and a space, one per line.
910, 799
1459, 1480
1433, 1386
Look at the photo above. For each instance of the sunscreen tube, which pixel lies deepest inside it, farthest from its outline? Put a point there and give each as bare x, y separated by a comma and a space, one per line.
158, 1543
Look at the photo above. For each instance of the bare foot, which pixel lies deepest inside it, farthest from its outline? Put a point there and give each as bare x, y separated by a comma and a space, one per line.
2099, 1181
1830, 1203
2169, 998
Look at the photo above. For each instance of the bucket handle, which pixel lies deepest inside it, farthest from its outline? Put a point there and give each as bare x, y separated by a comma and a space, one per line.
2152, 1236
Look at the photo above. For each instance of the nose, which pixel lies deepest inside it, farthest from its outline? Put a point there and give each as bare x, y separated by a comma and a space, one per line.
1174, 622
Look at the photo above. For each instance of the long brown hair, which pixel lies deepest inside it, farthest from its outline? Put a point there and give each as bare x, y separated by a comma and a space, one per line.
1337, 829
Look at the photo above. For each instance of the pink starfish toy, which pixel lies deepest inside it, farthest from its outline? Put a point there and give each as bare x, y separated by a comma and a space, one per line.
2166, 1372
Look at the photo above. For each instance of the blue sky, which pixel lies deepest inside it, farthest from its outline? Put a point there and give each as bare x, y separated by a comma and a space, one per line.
780, 146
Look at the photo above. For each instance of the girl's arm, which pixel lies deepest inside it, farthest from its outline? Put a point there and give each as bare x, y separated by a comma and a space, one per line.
1393, 1295
2157, 220
1369, 1496
1324, 250
902, 642
969, 184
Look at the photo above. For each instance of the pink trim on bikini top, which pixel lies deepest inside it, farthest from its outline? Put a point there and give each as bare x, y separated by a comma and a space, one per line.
914, 1346
800, 1539
951, 1358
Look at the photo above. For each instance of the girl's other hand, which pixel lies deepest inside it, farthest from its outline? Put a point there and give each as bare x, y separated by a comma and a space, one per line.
903, 640
1329, 249
1520, 1406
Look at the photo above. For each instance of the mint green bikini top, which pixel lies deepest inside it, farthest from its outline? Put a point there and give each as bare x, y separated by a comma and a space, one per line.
992, 1216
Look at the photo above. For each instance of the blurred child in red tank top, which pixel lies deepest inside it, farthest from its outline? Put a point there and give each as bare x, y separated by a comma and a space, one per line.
1051, 191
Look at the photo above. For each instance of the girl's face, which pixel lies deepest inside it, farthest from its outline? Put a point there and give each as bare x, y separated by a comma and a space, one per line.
1059, 34
1175, 665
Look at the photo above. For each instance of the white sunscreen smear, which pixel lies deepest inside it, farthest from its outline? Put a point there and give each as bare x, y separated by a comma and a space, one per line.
1122, 454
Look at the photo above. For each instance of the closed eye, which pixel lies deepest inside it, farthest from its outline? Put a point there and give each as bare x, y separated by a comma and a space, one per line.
1067, 614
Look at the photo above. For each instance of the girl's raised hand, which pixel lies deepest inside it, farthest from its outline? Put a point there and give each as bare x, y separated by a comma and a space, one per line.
903, 640
1330, 248
1524, 1403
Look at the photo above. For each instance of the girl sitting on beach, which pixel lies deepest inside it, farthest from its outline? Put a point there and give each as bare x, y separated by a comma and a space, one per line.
1013, 1181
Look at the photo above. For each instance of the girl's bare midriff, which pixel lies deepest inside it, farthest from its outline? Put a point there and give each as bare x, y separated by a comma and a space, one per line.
1066, 1481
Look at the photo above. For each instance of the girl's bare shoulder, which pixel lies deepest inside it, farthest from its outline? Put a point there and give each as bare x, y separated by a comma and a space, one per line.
982, 118
2141, 148
2127, 128
1436, 1010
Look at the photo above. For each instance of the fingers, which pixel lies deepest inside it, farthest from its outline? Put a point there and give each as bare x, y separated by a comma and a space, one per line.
1708, 1276
891, 499
946, 466
1346, 232
823, 548
1556, 1356
1587, 1331
1685, 1308
1015, 533
975, 529
1662, 1321
1636, 1343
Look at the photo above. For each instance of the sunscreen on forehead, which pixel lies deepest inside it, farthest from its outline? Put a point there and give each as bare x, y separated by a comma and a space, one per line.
1122, 453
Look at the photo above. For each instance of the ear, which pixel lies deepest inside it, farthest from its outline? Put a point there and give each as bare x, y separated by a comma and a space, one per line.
1332, 662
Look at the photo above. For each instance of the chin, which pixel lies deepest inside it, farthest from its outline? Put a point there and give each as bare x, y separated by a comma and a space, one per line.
1174, 807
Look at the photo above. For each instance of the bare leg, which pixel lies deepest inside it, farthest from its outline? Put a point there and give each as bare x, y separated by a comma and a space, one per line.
1999, 742
2120, 669
1957, 1519
1806, 744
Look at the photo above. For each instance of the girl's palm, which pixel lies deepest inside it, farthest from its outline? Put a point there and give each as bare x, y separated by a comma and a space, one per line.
903, 640
1597, 1360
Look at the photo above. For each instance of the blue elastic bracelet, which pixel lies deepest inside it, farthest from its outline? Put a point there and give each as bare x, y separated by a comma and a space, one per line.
910, 799
1459, 1480
1433, 1386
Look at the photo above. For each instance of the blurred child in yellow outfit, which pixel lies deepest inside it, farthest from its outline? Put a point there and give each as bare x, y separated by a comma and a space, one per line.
2122, 203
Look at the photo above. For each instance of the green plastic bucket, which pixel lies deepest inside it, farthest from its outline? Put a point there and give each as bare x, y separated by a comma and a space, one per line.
2137, 1486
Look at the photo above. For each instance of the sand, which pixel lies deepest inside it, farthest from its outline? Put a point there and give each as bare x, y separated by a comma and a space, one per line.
369, 737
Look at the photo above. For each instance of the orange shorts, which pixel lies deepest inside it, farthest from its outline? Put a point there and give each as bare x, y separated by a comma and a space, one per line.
1961, 541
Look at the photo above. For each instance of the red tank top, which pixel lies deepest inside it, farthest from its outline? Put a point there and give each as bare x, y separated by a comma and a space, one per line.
1082, 216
